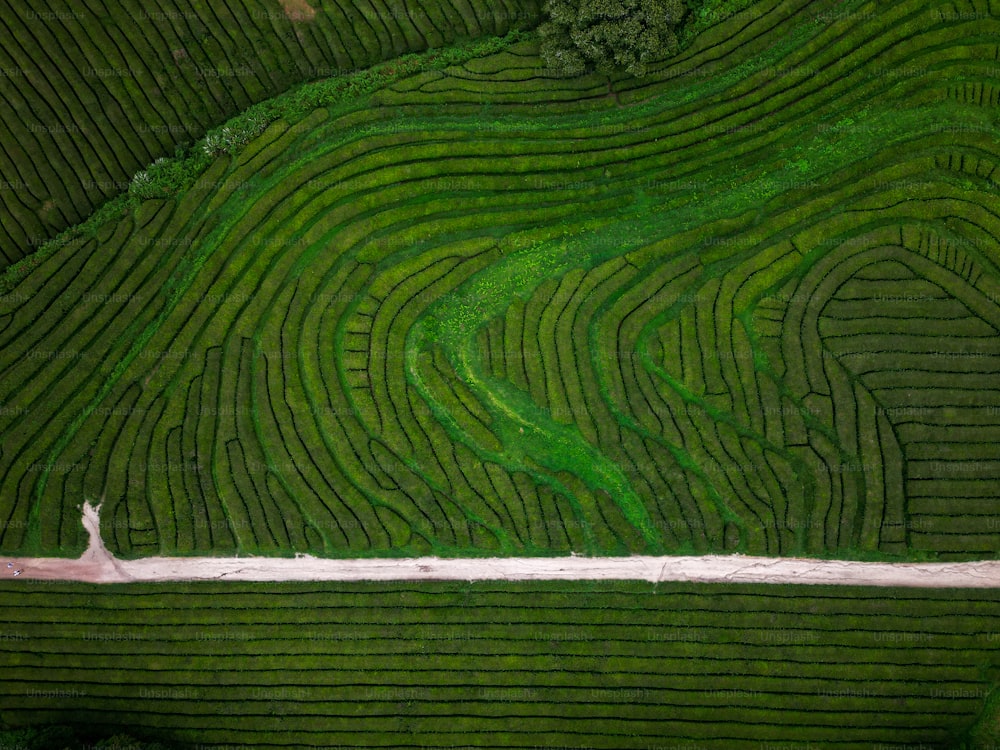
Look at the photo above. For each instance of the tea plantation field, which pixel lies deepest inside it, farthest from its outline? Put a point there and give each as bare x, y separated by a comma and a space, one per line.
441, 300
505, 666
92, 92
747, 303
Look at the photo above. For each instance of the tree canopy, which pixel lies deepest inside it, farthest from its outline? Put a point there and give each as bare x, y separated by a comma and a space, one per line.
609, 34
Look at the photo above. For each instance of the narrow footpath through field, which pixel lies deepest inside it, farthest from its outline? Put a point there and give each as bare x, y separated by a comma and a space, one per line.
97, 565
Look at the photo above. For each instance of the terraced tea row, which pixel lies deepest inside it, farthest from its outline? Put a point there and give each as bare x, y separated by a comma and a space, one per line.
747, 304
488, 665
91, 93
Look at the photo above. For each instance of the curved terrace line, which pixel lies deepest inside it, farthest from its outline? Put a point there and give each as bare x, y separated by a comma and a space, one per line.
97, 565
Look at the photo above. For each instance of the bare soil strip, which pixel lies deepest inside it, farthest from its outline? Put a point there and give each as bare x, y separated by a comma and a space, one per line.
97, 565
298, 10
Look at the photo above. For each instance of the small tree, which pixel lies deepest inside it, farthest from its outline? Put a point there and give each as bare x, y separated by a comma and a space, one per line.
609, 34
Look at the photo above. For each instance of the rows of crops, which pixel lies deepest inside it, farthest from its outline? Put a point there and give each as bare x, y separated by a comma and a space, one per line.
488, 665
749, 303
92, 92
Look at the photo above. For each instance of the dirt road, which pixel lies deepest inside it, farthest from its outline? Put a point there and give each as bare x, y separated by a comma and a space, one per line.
97, 565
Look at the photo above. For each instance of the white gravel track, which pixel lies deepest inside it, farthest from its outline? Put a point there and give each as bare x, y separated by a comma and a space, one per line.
97, 565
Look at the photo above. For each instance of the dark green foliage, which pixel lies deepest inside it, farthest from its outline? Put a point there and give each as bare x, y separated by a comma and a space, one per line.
609, 34
985, 733
60, 737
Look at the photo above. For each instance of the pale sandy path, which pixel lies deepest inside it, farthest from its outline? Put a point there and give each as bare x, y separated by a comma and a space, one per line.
98, 566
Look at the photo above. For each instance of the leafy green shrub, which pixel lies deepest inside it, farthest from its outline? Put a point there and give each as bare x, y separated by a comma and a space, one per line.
609, 34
